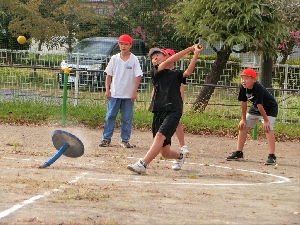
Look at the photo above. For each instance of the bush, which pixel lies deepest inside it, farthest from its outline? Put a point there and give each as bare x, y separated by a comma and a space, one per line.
293, 62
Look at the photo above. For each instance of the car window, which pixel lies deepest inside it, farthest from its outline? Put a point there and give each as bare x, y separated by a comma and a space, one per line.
116, 49
137, 48
93, 47
104, 47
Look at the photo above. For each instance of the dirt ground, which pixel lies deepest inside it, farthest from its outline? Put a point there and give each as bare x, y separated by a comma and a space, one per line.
96, 188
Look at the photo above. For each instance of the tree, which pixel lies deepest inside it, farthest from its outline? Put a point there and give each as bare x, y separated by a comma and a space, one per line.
290, 16
146, 19
36, 18
286, 48
240, 26
54, 22
8, 40
81, 20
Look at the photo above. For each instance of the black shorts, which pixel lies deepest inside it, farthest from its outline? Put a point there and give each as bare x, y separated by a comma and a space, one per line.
165, 122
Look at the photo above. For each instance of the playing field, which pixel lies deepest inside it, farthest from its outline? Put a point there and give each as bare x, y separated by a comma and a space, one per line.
96, 188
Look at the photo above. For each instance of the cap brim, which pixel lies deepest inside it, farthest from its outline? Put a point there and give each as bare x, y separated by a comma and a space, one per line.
152, 51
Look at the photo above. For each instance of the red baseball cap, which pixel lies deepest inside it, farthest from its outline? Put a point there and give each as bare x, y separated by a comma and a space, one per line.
248, 72
125, 38
170, 51
153, 50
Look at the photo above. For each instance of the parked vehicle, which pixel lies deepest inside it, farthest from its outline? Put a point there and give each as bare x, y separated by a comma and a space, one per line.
91, 56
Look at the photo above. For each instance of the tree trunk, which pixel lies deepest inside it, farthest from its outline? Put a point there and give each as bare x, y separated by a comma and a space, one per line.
69, 42
266, 66
284, 58
212, 78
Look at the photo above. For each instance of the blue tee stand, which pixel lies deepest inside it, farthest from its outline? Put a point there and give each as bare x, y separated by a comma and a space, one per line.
67, 144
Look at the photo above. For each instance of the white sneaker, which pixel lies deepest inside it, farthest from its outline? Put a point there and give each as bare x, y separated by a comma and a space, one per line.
178, 163
184, 150
137, 167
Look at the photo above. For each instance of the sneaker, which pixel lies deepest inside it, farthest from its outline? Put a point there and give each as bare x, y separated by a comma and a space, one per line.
271, 160
236, 156
139, 167
125, 144
178, 163
104, 143
184, 150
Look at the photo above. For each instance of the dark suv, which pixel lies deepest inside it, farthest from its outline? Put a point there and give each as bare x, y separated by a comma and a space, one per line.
91, 56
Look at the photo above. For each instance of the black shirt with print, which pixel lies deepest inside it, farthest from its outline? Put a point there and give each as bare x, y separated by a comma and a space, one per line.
166, 96
259, 95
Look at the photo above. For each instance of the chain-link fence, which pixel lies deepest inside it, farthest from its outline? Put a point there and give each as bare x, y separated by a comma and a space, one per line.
83, 35
29, 76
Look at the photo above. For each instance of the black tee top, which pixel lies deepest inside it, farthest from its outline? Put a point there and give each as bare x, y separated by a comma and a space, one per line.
259, 95
166, 96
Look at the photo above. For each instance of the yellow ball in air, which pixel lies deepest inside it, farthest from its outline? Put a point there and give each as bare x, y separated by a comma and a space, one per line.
21, 40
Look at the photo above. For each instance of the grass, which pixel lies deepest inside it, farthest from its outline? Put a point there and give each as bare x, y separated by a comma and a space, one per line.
19, 77
92, 195
20, 112
14, 145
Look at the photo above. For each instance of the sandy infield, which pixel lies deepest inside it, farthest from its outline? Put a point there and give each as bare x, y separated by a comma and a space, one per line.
96, 188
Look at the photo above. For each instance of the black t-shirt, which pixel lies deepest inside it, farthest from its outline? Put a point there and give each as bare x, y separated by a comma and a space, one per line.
259, 95
166, 96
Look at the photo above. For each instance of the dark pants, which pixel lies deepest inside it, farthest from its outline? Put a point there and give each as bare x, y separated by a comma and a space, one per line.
165, 122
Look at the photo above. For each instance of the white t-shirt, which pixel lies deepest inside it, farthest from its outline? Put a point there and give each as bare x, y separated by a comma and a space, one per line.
123, 75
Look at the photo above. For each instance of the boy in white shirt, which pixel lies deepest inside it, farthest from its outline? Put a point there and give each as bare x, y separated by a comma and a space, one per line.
123, 78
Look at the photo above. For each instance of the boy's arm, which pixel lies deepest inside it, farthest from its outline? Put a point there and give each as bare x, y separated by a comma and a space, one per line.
136, 86
193, 62
243, 122
262, 112
175, 58
107, 86
266, 124
244, 110
182, 91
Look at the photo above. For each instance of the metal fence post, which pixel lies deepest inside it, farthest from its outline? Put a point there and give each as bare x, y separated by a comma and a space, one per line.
286, 71
254, 133
64, 105
76, 81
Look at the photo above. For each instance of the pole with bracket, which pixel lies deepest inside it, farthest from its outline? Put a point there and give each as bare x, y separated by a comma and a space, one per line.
254, 133
64, 105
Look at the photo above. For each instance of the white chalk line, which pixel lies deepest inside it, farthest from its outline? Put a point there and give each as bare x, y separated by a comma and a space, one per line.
280, 181
35, 198
137, 180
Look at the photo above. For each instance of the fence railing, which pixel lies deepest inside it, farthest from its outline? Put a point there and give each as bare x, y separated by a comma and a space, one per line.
29, 76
